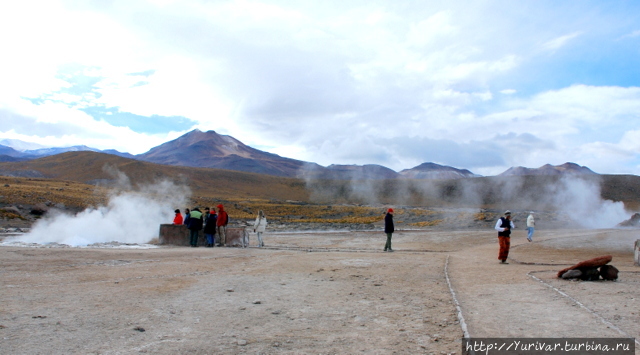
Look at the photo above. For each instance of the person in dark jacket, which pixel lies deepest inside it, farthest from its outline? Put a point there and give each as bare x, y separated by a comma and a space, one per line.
504, 226
210, 228
388, 229
195, 225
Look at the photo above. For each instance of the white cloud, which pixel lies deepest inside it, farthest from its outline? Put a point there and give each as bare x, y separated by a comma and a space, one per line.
327, 81
559, 42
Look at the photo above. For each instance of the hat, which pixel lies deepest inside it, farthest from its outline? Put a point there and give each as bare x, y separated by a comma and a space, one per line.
390, 210
177, 211
507, 212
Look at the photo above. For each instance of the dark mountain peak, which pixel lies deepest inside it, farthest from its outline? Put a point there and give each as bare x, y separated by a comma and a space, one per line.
435, 171
357, 172
548, 169
212, 150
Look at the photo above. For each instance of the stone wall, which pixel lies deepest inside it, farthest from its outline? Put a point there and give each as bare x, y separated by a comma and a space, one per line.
171, 234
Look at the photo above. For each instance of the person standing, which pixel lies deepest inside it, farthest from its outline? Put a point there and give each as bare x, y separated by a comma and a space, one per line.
260, 226
388, 228
178, 217
210, 228
186, 216
504, 226
221, 223
194, 226
531, 223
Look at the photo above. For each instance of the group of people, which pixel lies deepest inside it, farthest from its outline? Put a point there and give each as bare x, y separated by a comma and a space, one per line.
504, 225
216, 223
213, 223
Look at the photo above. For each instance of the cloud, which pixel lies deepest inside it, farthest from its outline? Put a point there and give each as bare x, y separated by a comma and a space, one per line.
559, 42
328, 82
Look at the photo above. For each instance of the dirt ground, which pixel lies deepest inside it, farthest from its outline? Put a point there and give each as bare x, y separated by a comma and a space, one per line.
314, 293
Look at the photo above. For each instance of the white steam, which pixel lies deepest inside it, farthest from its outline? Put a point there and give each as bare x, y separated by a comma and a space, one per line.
128, 217
581, 200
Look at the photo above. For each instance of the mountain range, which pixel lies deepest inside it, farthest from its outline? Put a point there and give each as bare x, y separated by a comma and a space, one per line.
212, 150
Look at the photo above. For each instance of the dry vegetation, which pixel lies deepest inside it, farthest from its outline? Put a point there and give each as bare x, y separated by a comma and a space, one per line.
50, 192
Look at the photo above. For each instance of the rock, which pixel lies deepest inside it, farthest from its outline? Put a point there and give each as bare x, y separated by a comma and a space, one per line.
590, 274
609, 272
595, 262
572, 274
634, 221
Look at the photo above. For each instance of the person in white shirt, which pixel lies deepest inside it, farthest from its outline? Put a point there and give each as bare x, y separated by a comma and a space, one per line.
531, 223
504, 227
259, 227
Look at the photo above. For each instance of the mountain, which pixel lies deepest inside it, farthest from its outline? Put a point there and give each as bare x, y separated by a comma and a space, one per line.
548, 169
435, 171
107, 170
120, 154
212, 150
211, 185
7, 158
10, 152
350, 172
53, 151
20, 145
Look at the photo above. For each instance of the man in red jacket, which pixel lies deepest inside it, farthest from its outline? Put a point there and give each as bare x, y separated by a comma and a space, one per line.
221, 223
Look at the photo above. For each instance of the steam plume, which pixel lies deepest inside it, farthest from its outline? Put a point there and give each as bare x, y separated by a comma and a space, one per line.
130, 216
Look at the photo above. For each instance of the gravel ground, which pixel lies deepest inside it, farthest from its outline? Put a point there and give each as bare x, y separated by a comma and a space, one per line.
330, 292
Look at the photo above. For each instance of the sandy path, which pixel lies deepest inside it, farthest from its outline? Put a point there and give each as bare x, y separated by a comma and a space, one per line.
506, 301
308, 293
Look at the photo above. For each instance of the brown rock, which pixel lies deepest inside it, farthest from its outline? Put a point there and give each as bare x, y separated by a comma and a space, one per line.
609, 272
595, 262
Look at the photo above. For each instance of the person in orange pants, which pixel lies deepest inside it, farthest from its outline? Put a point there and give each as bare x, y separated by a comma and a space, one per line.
504, 226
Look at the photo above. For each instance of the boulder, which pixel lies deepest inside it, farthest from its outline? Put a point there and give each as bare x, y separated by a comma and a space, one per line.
609, 272
583, 265
589, 274
572, 274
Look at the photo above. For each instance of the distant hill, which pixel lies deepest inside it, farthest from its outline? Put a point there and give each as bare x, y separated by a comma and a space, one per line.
350, 172
207, 184
436, 171
26, 150
9, 152
98, 169
211, 150
20, 145
547, 169
5, 158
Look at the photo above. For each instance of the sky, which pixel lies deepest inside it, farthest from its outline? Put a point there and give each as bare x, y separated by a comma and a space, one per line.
481, 85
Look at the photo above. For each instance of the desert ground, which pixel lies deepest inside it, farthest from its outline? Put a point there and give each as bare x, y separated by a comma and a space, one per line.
330, 292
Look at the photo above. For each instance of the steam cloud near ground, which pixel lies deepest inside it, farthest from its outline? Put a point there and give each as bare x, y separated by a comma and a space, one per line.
577, 198
132, 215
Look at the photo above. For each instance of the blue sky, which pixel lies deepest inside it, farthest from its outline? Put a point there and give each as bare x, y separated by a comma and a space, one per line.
483, 85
